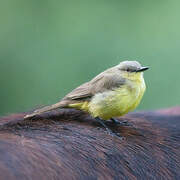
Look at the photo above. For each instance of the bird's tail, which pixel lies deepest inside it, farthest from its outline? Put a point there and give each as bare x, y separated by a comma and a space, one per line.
45, 109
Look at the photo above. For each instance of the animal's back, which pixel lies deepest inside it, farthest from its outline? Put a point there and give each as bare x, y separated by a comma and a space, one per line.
66, 144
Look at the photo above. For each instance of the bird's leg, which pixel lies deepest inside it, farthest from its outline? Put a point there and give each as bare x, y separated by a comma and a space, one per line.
107, 129
115, 121
104, 125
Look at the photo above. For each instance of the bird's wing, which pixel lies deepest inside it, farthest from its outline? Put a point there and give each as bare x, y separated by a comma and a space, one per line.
80, 92
101, 83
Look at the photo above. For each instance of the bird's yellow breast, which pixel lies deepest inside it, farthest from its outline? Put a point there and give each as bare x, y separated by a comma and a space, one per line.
115, 102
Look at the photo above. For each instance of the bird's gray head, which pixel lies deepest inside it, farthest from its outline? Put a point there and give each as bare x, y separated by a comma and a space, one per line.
131, 66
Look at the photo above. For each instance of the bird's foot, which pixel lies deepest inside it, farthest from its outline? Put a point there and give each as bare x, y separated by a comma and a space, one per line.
104, 125
108, 130
122, 123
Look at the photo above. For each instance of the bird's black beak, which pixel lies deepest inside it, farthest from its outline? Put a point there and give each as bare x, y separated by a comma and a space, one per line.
142, 69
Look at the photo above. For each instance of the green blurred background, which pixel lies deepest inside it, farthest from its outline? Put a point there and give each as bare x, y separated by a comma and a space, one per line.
48, 47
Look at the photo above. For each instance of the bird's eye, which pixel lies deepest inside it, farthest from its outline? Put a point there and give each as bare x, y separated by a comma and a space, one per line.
128, 70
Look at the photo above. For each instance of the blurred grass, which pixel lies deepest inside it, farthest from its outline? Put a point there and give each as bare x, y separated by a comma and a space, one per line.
49, 47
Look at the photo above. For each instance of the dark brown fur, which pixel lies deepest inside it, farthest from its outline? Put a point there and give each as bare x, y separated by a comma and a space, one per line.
68, 144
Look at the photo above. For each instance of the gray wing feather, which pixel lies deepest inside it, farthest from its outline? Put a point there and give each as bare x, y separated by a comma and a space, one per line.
82, 91
101, 83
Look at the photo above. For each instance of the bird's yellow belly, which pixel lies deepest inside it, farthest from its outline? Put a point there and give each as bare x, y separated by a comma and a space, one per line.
113, 103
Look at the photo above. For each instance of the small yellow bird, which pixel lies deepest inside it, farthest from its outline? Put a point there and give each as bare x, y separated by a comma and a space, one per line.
110, 94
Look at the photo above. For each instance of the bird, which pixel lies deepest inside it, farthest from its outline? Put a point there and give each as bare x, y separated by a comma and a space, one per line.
112, 93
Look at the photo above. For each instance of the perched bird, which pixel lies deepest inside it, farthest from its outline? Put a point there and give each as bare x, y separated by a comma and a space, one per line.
112, 93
